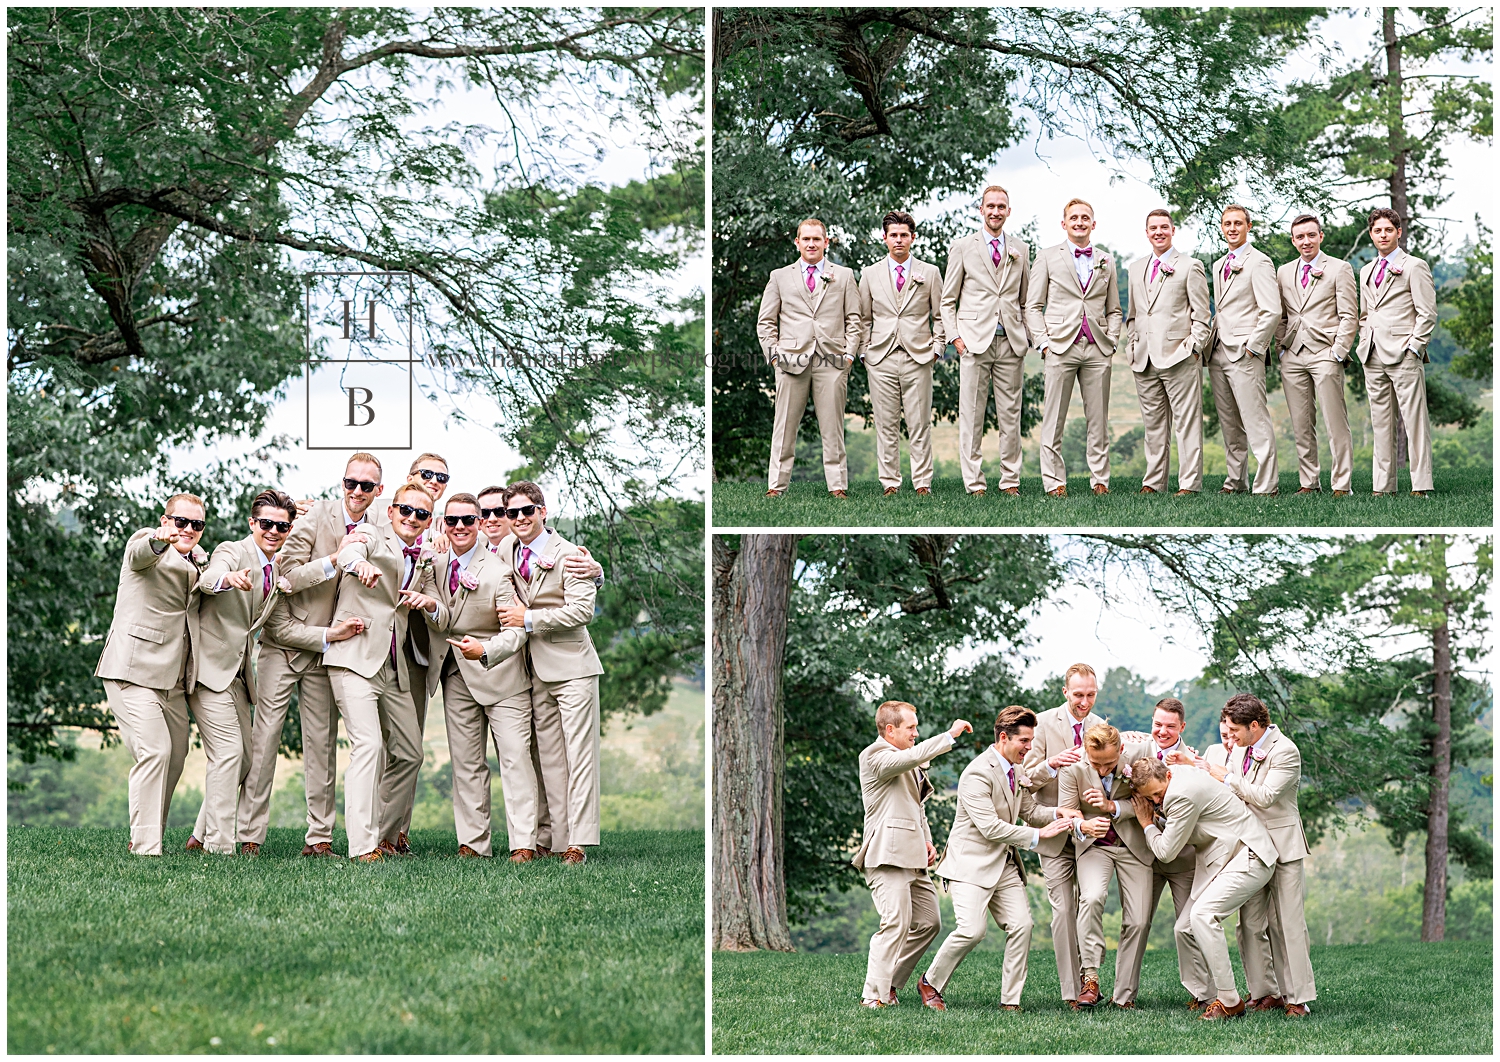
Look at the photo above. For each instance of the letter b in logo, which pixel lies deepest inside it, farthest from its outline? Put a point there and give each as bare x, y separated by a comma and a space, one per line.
360, 399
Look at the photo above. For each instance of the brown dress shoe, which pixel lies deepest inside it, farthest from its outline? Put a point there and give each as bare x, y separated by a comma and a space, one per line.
1384, 494
1100, 488
873, 1004
1059, 492
774, 493
839, 493
403, 845
521, 855
249, 848
369, 857
194, 845
1298, 1010
1268, 1003
575, 856
1123, 1006
465, 852
891, 490
1011, 1006
1419, 494
1342, 493
1195, 1005
977, 493
1148, 490
931, 997
1014, 492
1230, 490
322, 848
924, 490
1180, 493
1090, 994
386, 848
893, 1001
1217, 1011
1311, 490
543, 852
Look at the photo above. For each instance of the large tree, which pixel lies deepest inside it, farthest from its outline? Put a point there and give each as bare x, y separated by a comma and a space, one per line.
173, 172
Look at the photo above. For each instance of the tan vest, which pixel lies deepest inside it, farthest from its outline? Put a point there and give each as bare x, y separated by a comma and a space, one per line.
1056, 304
1321, 319
1168, 319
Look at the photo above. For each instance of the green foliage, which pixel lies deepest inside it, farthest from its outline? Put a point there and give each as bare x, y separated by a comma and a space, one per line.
1473, 326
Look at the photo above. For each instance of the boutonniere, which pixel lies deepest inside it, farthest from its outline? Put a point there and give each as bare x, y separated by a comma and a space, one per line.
1394, 270
826, 278
284, 584
1014, 253
1167, 269
1315, 273
1258, 754
1237, 265
198, 557
424, 560
918, 278
1125, 770
545, 563
468, 581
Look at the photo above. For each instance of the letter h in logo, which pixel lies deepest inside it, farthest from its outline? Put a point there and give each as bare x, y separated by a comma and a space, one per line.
360, 360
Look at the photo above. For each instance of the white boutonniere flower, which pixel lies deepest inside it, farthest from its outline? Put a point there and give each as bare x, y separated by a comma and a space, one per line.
1014, 252
1258, 754
198, 557
1167, 269
284, 585
916, 278
545, 563
468, 581
1125, 770
1394, 270
826, 278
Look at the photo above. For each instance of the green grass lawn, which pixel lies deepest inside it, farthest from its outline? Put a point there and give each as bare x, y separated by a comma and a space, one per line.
1372, 999
431, 955
1462, 499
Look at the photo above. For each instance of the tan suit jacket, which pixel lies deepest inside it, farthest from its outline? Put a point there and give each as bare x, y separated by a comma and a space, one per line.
1216, 754
911, 319
229, 619
1204, 812
1270, 791
1168, 319
797, 327
978, 295
1321, 319
471, 613
985, 833
380, 606
314, 536
1247, 307
1078, 778
1053, 284
1401, 314
562, 606
1054, 734
155, 625
893, 784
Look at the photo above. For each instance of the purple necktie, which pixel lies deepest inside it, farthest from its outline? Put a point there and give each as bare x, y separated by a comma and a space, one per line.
453, 577
810, 271
1155, 265
525, 568
900, 280
995, 255
1012, 773
349, 528
1077, 734
1159, 755
1380, 273
1228, 262
1245, 767
1306, 268
265, 586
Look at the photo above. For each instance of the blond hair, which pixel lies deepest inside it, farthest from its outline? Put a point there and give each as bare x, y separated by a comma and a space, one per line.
184, 497
811, 221
889, 714
1078, 669
426, 457
1147, 769
1101, 736
994, 188
368, 458
1071, 203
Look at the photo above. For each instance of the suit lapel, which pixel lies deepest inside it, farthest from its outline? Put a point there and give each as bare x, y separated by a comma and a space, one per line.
799, 271
1154, 287
904, 295
821, 287
1312, 281
1388, 282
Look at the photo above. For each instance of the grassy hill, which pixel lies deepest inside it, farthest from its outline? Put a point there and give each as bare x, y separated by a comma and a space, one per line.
1372, 999
431, 955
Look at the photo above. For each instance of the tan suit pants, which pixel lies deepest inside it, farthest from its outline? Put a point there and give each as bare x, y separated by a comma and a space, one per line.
1095, 865
1090, 366
224, 725
1403, 387
1273, 942
827, 384
1192, 971
399, 793
994, 367
1312, 380
899, 385
1060, 874
469, 726
567, 722
972, 905
154, 727
1244, 421
555, 768
909, 920
274, 682
382, 728
1201, 927
1172, 402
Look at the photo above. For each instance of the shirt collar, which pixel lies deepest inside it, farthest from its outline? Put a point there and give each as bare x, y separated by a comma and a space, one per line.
1262, 740
538, 544
891, 263
1175, 745
264, 560
465, 558
989, 241
349, 519
821, 266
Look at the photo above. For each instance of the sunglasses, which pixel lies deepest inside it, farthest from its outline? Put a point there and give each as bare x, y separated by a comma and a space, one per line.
427, 473
525, 510
407, 510
280, 525
183, 522
487, 514
454, 521
360, 484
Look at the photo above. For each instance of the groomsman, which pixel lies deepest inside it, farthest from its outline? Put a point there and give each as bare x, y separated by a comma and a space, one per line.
308, 557
899, 302
1397, 313
555, 608
982, 862
809, 328
236, 592
493, 522
896, 849
1112, 844
1265, 770
1057, 743
1235, 859
1247, 307
1073, 314
984, 296
1319, 319
1167, 322
145, 657
430, 472
370, 676
1218, 754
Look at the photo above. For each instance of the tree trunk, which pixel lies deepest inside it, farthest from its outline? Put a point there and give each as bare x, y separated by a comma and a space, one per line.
752, 588
1396, 123
1435, 895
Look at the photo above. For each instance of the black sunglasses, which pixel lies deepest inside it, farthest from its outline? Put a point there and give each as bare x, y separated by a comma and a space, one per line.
427, 473
360, 484
525, 510
495, 513
407, 510
281, 525
454, 521
183, 521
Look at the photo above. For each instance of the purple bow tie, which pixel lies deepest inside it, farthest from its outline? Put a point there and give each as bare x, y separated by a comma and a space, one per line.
414, 552
1083, 252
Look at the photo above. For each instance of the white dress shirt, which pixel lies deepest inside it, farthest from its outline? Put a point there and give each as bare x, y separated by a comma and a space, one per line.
536, 546
1083, 264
